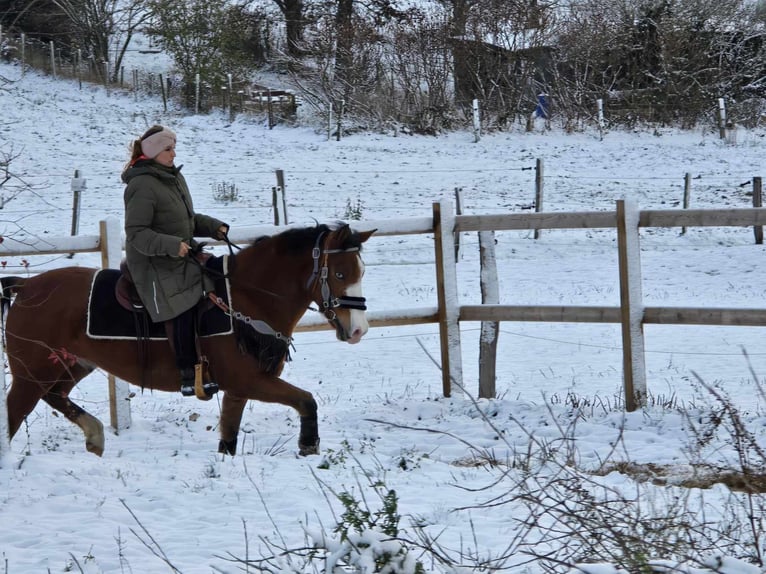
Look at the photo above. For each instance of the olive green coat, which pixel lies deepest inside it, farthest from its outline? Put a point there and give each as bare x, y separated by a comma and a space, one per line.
159, 215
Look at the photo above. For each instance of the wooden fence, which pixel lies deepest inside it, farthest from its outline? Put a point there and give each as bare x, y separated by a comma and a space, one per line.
631, 314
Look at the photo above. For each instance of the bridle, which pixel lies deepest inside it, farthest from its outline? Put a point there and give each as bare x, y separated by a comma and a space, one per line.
320, 272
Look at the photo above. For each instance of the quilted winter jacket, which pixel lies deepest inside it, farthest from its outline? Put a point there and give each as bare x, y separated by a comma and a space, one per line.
158, 215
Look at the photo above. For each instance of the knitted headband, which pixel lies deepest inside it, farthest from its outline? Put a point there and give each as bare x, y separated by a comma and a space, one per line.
152, 145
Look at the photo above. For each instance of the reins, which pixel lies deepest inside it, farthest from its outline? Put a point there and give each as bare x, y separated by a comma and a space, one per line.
319, 272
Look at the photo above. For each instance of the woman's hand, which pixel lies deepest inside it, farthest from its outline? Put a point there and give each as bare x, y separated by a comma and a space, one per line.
221, 232
183, 249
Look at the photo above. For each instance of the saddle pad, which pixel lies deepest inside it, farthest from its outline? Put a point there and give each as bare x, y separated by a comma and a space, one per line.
107, 319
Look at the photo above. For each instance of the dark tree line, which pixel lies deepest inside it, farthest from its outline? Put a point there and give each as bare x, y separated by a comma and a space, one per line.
663, 61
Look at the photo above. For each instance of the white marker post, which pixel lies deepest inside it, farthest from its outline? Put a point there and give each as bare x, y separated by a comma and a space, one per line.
476, 122
600, 106
722, 118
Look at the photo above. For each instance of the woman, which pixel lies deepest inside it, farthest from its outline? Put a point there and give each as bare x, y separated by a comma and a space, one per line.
160, 226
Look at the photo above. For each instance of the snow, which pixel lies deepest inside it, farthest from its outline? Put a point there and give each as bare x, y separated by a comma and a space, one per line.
162, 496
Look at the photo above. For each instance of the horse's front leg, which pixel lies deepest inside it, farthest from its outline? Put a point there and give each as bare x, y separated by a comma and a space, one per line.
270, 389
231, 417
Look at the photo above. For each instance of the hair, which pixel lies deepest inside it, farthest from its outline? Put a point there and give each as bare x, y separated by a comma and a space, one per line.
135, 145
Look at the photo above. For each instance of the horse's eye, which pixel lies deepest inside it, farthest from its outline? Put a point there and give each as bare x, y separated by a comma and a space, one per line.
339, 275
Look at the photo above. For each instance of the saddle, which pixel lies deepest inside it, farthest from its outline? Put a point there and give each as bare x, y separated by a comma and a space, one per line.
125, 290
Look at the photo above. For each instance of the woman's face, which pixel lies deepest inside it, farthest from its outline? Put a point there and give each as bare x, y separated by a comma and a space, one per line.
166, 156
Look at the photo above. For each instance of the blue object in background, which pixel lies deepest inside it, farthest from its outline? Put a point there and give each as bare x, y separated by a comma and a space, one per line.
541, 111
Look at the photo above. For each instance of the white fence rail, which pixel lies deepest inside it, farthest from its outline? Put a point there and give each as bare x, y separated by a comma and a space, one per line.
632, 314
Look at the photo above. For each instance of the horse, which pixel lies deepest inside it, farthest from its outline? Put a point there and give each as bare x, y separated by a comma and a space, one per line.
272, 283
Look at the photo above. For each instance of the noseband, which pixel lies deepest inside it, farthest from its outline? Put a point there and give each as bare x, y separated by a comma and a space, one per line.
329, 303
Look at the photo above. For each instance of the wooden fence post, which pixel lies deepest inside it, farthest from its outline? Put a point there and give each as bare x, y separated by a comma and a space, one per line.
758, 202
722, 118
78, 186
476, 122
687, 195
5, 441
490, 295
446, 290
458, 211
53, 59
600, 111
164, 94
631, 305
538, 191
23, 54
119, 390
196, 93
279, 201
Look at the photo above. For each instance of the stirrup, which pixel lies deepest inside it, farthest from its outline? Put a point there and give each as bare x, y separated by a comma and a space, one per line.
204, 388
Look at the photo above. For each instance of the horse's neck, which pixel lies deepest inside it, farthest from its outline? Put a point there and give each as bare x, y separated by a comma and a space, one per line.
271, 288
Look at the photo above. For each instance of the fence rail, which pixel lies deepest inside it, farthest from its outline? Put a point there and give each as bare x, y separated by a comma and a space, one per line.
631, 314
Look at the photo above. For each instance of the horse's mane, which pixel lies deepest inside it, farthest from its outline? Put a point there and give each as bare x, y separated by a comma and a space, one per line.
299, 239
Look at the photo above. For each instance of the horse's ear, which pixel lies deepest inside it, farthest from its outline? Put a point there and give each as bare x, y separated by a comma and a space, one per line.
365, 235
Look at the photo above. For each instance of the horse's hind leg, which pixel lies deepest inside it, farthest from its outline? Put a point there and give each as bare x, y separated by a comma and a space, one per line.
58, 398
21, 400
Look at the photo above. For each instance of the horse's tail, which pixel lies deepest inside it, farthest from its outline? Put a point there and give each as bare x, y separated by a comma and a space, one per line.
9, 286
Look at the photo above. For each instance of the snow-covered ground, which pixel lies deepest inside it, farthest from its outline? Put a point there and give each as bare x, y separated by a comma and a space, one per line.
161, 488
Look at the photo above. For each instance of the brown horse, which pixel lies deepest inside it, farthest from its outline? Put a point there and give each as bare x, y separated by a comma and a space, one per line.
272, 284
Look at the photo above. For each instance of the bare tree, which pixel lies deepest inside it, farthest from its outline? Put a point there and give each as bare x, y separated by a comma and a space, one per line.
102, 28
292, 10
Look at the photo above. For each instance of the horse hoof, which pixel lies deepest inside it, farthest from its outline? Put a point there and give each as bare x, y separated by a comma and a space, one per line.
95, 448
307, 449
227, 446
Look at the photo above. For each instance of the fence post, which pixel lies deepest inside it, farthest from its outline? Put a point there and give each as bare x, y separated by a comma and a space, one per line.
78, 186
339, 116
600, 107
79, 67
476, 122
119, 390
196, 93
280, 203
164, 94
458, 211
721, 118
490, 295
758, 202
687, 195
231, 97
23, 54
270, 109
631, 305
53, 59
446, 290
538, 191
5, 441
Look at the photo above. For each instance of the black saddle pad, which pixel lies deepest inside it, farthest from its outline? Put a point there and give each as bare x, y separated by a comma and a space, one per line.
107, 319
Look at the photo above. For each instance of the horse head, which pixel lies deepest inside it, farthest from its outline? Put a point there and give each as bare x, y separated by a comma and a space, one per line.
336, 281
